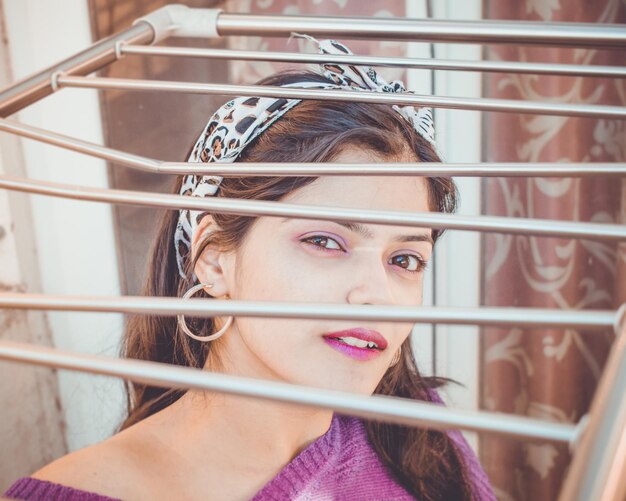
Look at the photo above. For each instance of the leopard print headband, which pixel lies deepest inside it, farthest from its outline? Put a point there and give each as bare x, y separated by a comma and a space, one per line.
237, 123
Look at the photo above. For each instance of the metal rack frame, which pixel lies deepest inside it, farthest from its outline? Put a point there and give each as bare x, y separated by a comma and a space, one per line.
599, 440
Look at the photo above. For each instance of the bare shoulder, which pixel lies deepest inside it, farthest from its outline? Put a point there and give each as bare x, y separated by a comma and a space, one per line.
112, 467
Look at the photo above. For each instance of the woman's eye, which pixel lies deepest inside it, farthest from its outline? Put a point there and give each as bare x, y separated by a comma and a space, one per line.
322, 242
409, 262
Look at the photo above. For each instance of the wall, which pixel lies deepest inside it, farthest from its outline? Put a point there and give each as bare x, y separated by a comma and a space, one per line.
32, 431
75, 240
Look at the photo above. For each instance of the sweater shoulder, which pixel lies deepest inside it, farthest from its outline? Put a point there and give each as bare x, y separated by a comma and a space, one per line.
34, 489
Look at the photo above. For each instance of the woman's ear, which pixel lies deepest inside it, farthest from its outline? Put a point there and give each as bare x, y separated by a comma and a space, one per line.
211, 265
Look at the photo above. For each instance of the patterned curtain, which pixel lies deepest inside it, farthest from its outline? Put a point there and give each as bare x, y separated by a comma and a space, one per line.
549, 373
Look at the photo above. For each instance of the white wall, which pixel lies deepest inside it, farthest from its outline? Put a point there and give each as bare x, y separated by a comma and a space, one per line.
75, 240
456, 270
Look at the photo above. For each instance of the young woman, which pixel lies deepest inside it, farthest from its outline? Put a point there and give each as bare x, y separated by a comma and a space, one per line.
196, 445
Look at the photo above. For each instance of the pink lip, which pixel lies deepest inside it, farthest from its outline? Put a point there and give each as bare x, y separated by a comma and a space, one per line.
353, 351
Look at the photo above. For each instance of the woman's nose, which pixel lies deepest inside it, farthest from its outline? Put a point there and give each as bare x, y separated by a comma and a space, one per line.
369, 282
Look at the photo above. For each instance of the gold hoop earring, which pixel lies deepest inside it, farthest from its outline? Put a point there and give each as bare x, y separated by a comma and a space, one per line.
396, 357
183, 325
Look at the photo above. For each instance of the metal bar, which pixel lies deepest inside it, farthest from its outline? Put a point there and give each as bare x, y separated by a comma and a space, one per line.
404, 99
495, 169
395, 62
599, 462
515, 226
521, 317
429, 30
35, 87
390, 409
74, 144
504, 169
20, 94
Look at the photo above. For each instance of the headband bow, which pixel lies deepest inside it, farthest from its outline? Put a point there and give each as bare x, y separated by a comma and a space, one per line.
238, 122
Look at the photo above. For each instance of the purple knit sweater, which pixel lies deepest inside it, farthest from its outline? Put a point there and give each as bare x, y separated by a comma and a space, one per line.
341, 464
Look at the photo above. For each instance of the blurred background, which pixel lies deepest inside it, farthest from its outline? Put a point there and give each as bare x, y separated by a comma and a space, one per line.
61, 246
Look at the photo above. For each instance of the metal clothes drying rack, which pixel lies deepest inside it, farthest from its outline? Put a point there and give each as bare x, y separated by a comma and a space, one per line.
598, 441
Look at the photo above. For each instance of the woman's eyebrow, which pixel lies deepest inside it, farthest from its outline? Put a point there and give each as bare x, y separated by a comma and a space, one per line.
362, 230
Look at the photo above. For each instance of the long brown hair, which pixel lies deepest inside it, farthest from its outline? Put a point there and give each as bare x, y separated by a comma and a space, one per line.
425, 461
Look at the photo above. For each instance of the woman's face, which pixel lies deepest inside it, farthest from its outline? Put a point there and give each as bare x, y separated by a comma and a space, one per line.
299, 260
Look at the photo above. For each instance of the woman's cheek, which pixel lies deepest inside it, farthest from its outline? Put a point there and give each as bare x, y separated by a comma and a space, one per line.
275, 280
305, 273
